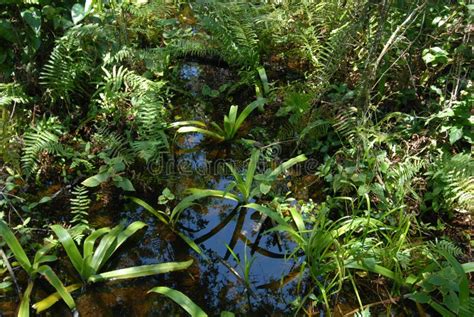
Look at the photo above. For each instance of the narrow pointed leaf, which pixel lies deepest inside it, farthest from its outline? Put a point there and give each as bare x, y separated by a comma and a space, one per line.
24, 310
298, 219
157, 213
247, 111
188, 123
54, 280
89, 242
15, 246
251, 170
140, 271
182, 300
286, 165
269, 212
200, 130
100, 255
127, 233
69, 246
52, 299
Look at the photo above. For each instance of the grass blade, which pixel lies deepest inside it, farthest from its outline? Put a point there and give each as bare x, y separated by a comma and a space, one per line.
157, 213
251, 170
102, 254
182, 300
247, 111
52, 299
54, 280
15, 246
214, 135
69, 246
89, 242
140, 271
264, 79
188, 123
286, 165
24, 310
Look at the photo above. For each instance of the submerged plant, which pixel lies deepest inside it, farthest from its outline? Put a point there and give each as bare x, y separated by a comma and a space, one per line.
34, 270
230, 127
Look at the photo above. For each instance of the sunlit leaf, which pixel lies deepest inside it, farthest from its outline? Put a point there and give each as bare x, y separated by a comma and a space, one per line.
182, 300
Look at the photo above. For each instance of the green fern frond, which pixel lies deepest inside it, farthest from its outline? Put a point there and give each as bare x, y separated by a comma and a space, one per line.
80, 205
12, 93
346, 123
402, 174
43, 138
70, 65
114, 144
452, 178
447, 247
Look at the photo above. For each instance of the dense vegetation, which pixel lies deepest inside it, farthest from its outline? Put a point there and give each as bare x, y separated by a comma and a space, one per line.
346, 129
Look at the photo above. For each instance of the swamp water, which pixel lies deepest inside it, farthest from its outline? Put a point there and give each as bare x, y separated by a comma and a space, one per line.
216, 281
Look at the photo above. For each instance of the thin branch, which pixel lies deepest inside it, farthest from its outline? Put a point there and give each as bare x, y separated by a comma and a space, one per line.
10, 270
395, 35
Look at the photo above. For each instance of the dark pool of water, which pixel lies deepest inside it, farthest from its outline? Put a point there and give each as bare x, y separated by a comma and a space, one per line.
216, 280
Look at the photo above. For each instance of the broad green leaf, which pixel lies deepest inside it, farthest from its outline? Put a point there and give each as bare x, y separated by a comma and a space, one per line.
15, 247
89, 242
7, 31
251, 170
88, 6
265, 188
78, 13
455, 133
468, 267
69, 246
32, 17
248, 110
96, 180
188, 123
53, 279
103, 251
182, 300
264, 79
52, 299
125, 184
140, 271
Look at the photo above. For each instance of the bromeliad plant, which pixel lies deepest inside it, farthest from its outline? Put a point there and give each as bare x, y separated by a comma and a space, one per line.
92, 260
252, 186
226, 132
34, 270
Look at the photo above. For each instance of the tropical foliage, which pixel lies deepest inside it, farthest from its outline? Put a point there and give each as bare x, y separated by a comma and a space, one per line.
337, 135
